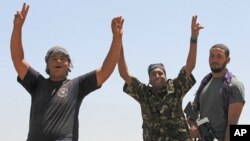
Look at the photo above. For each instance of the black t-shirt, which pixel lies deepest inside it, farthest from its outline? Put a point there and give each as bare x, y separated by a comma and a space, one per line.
55, 105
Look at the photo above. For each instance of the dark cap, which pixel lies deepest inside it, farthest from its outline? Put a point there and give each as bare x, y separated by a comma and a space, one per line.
57, 50
156, 65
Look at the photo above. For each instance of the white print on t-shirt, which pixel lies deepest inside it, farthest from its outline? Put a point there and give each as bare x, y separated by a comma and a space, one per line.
62, 92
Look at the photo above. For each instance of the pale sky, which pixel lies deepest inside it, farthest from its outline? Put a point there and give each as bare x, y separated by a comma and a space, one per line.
154, 31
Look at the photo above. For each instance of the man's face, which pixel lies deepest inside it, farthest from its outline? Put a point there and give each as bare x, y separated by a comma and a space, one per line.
218, 60
58, 65
157, 78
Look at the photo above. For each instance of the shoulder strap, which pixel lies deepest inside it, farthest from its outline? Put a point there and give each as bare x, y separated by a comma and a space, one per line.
203, 83
225, 91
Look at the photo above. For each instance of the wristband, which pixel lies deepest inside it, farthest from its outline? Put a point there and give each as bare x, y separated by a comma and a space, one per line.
194, 39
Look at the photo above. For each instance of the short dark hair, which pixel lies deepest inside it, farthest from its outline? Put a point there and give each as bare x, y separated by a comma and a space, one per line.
222, 46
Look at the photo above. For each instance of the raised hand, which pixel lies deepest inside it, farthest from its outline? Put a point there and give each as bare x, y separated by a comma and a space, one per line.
195, 27
20, 16
117, 26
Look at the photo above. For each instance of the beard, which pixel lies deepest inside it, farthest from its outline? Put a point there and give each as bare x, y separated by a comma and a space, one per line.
219, 68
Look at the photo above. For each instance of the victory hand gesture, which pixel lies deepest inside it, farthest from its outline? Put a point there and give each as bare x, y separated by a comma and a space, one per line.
20, 16
195, 27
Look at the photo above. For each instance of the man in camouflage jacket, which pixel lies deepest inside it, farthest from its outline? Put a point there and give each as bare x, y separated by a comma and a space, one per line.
161, 99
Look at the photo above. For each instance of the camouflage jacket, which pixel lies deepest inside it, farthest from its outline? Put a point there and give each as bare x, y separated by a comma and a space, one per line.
162, 113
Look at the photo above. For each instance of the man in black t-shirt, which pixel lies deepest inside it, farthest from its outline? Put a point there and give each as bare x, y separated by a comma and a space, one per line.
56, 100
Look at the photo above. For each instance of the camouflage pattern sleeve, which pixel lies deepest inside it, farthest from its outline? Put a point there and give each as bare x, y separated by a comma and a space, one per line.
135, 89
184, 83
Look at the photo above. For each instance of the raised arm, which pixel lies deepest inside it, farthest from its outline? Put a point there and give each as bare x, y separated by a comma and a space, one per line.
123, 69
111, 59
16, 47
191, 59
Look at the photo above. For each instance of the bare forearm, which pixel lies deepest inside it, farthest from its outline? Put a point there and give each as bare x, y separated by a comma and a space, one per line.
191, 59
16, 47
123, 69
234, 112
110, 61
113, 54
17, 53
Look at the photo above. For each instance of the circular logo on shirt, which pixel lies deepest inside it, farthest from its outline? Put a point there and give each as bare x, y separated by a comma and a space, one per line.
63, 92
